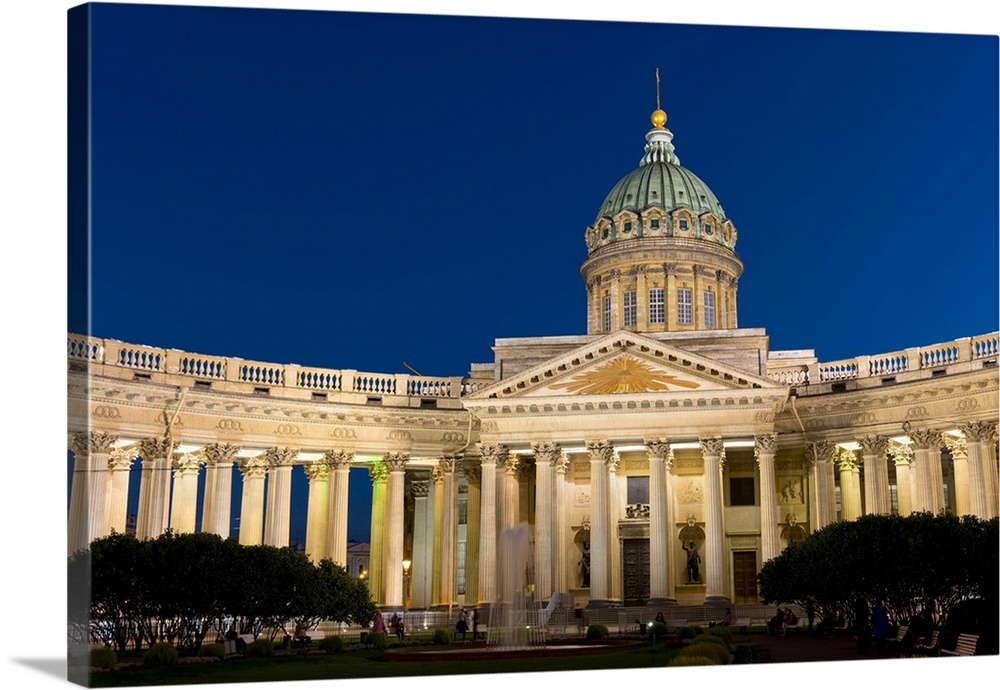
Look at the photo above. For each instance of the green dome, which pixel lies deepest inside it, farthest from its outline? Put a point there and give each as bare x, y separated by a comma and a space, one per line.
665, 185
660, 180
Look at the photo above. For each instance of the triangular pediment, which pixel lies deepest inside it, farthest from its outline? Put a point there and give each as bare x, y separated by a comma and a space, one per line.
625, 363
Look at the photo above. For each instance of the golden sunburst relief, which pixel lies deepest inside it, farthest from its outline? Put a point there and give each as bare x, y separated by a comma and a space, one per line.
623, 374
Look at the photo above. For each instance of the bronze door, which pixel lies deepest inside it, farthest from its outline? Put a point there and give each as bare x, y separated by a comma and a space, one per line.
745, 577
635, 572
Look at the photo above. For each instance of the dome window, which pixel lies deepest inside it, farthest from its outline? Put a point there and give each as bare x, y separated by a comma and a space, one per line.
604, 233
654, 223
628, 226
707, 228
683, 225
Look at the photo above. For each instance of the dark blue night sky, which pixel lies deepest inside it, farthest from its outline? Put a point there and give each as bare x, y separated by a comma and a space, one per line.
352, 190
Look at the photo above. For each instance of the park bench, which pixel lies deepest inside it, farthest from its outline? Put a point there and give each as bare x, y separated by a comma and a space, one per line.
238, 645
966, 646
742, 624
900, 634
676, 622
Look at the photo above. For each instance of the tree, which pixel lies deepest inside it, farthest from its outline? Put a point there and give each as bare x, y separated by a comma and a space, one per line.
911, 562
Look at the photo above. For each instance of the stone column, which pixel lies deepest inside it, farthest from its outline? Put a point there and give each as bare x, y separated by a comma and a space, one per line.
902, 454
473, 477
423, 544
614, 539
491, 456
393, 564
850, 489
545, 454
185, 501
336, 505
279, 496
525, 480
561, 524
449, 530
764, 449
873, 450
601, 455
119, 465
217, 506
824, 456
318, 474
379, 474
927, 463
658, 451
437, 476
977, 436
960, 463
254, 471
510, 504
155, 518
89, 492
712, 455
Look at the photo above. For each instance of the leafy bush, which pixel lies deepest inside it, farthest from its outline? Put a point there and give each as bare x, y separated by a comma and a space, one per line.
214, 649
331, 645
689, 632
597, 631
691, 661
103, 657
707, 648
657, 629
261, 647
160, 654
724, 634
378, 640
442, 636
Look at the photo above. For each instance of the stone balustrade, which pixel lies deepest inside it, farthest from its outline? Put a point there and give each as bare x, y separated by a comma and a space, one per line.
963, 351
129, 359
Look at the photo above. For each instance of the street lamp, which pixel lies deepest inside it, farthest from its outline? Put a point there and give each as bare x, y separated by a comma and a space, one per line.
406, 583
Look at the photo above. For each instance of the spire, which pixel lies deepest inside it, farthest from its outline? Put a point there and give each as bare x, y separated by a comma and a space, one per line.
659, 148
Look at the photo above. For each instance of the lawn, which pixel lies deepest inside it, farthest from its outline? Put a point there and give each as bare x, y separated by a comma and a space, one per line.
367, 664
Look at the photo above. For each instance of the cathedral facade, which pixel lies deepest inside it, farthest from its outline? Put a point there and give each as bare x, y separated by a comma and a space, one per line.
662, 457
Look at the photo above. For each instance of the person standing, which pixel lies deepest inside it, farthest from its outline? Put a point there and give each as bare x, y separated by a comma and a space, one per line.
462, 626
862, 623
475, 624
880, 626
810, 610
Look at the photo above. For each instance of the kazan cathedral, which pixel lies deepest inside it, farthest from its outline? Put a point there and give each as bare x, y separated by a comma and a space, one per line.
661, 458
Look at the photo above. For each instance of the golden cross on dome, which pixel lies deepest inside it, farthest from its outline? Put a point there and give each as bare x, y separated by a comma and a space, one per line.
659, 117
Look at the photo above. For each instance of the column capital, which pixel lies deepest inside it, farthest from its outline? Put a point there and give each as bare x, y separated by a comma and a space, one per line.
185, 463
449, 464
957, 447
317, 471
122, 458
420, 488
219, 453
156, 448
711, 447
492, 454
824, 451
378, 473
92, 442
545, 452
925, 439
847, 458
601, 450
473, 472
280, 457
562, 464
396, 462
874, 445
657, 448
338, 459
764, 444
614, 462
254, 467
979, 432
901, 453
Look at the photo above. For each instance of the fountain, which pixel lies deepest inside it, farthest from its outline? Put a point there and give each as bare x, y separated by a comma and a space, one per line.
516, 620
